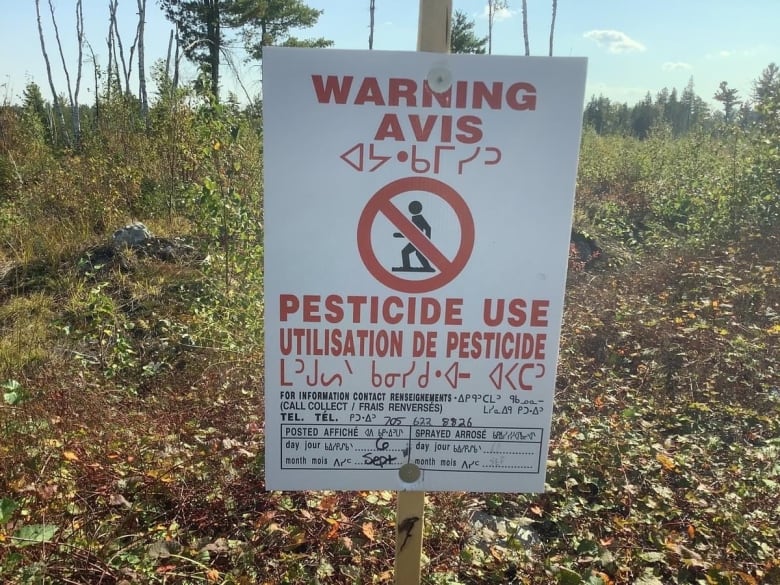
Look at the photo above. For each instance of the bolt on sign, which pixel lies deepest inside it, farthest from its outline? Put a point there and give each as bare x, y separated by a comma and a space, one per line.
417, 220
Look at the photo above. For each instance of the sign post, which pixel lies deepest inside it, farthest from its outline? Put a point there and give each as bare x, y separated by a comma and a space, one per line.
417, 219
433, 34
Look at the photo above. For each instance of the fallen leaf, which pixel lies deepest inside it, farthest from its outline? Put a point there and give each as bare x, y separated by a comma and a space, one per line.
212, 575
749, 579
334, 528
70, 456
667, 462
368, 530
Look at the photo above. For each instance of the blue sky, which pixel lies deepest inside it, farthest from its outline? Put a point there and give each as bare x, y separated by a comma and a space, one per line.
633, 46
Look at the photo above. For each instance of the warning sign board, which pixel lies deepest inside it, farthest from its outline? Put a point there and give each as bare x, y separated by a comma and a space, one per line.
417, 216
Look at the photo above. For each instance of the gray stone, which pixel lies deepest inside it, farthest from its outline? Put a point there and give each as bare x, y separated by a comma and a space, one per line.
130, 236
488, 530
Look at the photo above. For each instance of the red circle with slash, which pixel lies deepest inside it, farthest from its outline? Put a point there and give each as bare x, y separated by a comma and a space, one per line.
381, 203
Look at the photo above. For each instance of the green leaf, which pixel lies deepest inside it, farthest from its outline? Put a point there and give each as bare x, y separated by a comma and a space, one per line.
35, 534
7, 507
14, 394
652, 557
11, 398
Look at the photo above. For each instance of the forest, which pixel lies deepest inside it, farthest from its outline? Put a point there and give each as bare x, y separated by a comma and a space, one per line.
131, 418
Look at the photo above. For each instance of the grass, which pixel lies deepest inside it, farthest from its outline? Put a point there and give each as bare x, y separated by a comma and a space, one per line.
135, 452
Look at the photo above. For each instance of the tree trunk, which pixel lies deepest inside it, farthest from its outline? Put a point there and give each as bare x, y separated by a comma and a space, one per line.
168, 57
73, 97
176, 59
96, 72
491, 13
121, 57
79, 69
60, 117
552, 24
525, 28
214, 41
111, 51
141, 66
371, 8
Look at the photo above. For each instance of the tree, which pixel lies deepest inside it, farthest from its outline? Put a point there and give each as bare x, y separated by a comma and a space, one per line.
728, 97
464, 39
552, 24
694, 110
200, 24
643, 116
766, 94
493, 7
35, 108
141, 65
55, 98
371, 8
525, 28
269, 22
73, 95
768, 85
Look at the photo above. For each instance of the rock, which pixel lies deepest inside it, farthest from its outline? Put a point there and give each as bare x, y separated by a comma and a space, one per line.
130, 236
488, 530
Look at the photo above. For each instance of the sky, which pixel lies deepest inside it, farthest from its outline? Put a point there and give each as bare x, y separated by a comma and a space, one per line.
632, 46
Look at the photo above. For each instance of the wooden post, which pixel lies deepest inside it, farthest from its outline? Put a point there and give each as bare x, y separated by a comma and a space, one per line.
433, 35
409, 537
435, 26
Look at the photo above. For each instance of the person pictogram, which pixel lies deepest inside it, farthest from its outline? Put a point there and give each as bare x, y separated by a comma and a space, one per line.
415, 208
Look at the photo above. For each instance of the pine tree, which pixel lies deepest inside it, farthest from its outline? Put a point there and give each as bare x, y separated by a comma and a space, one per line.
729, 98
463, 39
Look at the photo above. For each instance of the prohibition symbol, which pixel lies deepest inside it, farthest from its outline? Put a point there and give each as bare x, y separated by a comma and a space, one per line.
444, 269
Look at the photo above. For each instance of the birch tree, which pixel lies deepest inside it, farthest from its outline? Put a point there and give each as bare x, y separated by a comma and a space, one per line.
552, 24
525, 28
494, 6
141, 66
371, 7
54, 97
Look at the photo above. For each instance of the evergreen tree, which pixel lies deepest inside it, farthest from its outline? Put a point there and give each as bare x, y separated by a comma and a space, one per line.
200, 24
464, 39
203, 24
729, 98
35, 109
768, 85
269, 22
693, 109
643, 116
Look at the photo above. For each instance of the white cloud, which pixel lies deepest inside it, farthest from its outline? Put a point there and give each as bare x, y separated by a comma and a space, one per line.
676, 66
615, 41
728, 54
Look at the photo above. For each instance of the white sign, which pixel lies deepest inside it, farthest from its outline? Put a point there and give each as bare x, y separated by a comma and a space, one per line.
417, 221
